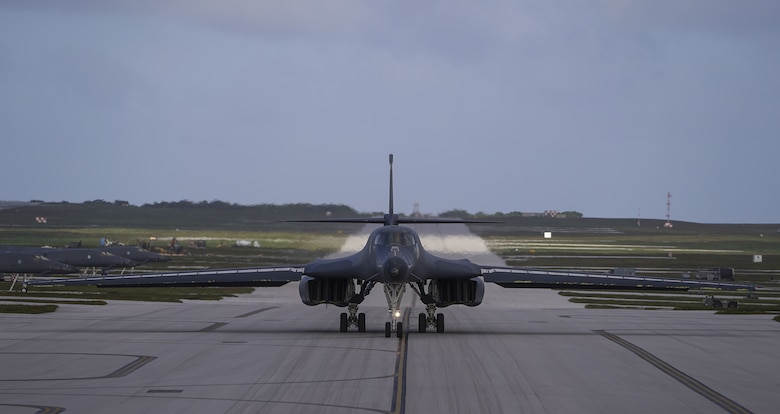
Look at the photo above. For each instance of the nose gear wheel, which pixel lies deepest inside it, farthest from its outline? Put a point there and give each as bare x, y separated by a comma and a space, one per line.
394, 292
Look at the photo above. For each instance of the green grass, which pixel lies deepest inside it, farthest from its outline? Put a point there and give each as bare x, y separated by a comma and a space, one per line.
90, 237
149, 294
645, 304
679, 301
93, 295
60, 301
29, 309
667, 252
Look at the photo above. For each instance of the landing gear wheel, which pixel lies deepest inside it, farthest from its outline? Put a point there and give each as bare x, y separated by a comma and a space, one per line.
361, 322
388, 328
440, 323
343, 323
399, 330
423, 323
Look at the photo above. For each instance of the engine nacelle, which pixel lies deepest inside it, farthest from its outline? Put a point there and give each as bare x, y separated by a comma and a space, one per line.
467, 292
336, 292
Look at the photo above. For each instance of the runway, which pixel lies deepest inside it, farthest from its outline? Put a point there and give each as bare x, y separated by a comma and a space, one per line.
527, 351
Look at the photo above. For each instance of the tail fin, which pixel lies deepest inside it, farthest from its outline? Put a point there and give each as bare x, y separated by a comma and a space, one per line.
390, 210
391, 219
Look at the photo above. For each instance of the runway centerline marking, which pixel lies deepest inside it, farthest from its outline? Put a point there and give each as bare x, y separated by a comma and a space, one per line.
399, 387
719, 399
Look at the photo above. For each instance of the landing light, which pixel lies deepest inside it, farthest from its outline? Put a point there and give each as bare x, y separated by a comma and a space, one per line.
397, 314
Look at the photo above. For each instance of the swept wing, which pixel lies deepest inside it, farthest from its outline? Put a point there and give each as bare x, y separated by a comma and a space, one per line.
394, 258
252, 276
510, 277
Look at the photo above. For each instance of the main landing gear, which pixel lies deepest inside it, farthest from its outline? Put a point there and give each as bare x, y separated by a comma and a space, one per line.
431, 319
353, 319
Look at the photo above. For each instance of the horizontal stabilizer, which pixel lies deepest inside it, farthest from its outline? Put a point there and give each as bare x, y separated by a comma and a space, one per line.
392, 221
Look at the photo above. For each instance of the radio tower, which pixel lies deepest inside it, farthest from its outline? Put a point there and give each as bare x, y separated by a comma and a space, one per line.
668, 223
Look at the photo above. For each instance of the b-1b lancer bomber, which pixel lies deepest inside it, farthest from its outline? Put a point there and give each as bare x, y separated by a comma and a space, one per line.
29, 263
104, 258
87, 258
394, 258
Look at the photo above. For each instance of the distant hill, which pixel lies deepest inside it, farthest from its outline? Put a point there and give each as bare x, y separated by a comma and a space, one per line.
221, 215
13, 204
184, 214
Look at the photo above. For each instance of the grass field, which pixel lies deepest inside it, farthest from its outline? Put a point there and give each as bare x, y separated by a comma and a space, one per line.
650, 248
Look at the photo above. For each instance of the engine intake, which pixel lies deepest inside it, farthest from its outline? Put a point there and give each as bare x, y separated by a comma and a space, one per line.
336, 292
467, 292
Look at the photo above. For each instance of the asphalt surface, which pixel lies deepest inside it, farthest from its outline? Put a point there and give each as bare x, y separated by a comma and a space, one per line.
526, 351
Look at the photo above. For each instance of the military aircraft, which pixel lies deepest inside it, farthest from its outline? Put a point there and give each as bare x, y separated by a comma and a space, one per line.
393, 257
28, 263
135, 254
86, 258
17, 264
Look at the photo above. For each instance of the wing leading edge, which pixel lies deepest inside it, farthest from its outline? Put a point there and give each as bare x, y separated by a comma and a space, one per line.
257, 276
510, 277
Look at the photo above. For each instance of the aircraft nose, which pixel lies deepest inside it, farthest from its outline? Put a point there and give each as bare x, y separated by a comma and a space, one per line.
395, 269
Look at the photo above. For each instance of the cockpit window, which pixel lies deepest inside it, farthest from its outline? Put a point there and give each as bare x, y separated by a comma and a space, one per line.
394, 237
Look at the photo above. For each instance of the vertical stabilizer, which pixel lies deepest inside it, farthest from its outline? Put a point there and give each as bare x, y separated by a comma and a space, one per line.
390, 218
390, 210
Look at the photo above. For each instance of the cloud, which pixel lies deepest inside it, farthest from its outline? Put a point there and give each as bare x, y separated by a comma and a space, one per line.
564, 104
457, 29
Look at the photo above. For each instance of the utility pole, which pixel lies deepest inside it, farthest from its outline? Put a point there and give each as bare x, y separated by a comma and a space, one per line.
668, 223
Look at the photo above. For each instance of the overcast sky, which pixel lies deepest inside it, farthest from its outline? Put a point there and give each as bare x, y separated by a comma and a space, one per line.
598, 106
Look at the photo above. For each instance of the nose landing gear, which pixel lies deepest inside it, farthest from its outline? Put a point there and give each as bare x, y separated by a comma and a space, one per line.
394, 292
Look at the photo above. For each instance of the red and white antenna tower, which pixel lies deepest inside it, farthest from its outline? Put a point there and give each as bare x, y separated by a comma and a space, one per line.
668, 223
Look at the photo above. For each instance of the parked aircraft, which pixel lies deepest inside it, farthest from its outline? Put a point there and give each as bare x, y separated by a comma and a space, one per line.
85, 258
394, 258
27, 263
23, 264
135, 254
